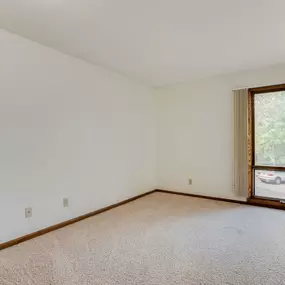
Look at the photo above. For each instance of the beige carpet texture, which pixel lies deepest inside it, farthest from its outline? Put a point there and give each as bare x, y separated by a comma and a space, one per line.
158, 239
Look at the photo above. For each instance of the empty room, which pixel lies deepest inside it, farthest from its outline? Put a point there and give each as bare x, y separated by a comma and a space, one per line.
142, 142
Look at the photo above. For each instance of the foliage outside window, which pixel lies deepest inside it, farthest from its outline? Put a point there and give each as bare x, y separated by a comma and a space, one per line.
270, 128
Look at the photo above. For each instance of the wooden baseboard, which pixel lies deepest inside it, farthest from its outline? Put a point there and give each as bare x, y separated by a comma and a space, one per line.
251, 202
257, 202
202, 196
69, 222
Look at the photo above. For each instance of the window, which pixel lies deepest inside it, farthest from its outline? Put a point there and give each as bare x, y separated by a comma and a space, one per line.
267, 143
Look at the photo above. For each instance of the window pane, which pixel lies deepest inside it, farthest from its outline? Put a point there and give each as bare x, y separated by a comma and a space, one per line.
270, 184
270, 128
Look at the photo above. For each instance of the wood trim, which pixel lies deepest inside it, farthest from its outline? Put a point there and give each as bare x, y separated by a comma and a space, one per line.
251, 202
201, 196
255, 201
266, 89
271, 168
69, 222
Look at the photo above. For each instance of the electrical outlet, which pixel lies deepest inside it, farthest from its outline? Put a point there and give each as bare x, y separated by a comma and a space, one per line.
65, 202
28, 212
189, 181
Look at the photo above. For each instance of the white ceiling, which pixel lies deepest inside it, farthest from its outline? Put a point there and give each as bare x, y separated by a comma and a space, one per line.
158, 42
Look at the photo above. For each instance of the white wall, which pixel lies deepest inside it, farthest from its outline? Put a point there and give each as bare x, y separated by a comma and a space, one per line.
68, 129
195, 132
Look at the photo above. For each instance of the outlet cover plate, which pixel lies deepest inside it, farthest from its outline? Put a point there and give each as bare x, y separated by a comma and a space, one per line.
65, 202
28, 212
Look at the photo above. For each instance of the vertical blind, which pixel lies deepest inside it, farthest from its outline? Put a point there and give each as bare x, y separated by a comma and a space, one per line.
240, 165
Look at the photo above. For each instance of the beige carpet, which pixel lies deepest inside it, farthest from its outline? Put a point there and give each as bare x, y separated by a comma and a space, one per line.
159, 239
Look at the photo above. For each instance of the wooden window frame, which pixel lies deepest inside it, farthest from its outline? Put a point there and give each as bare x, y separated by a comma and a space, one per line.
251, 152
